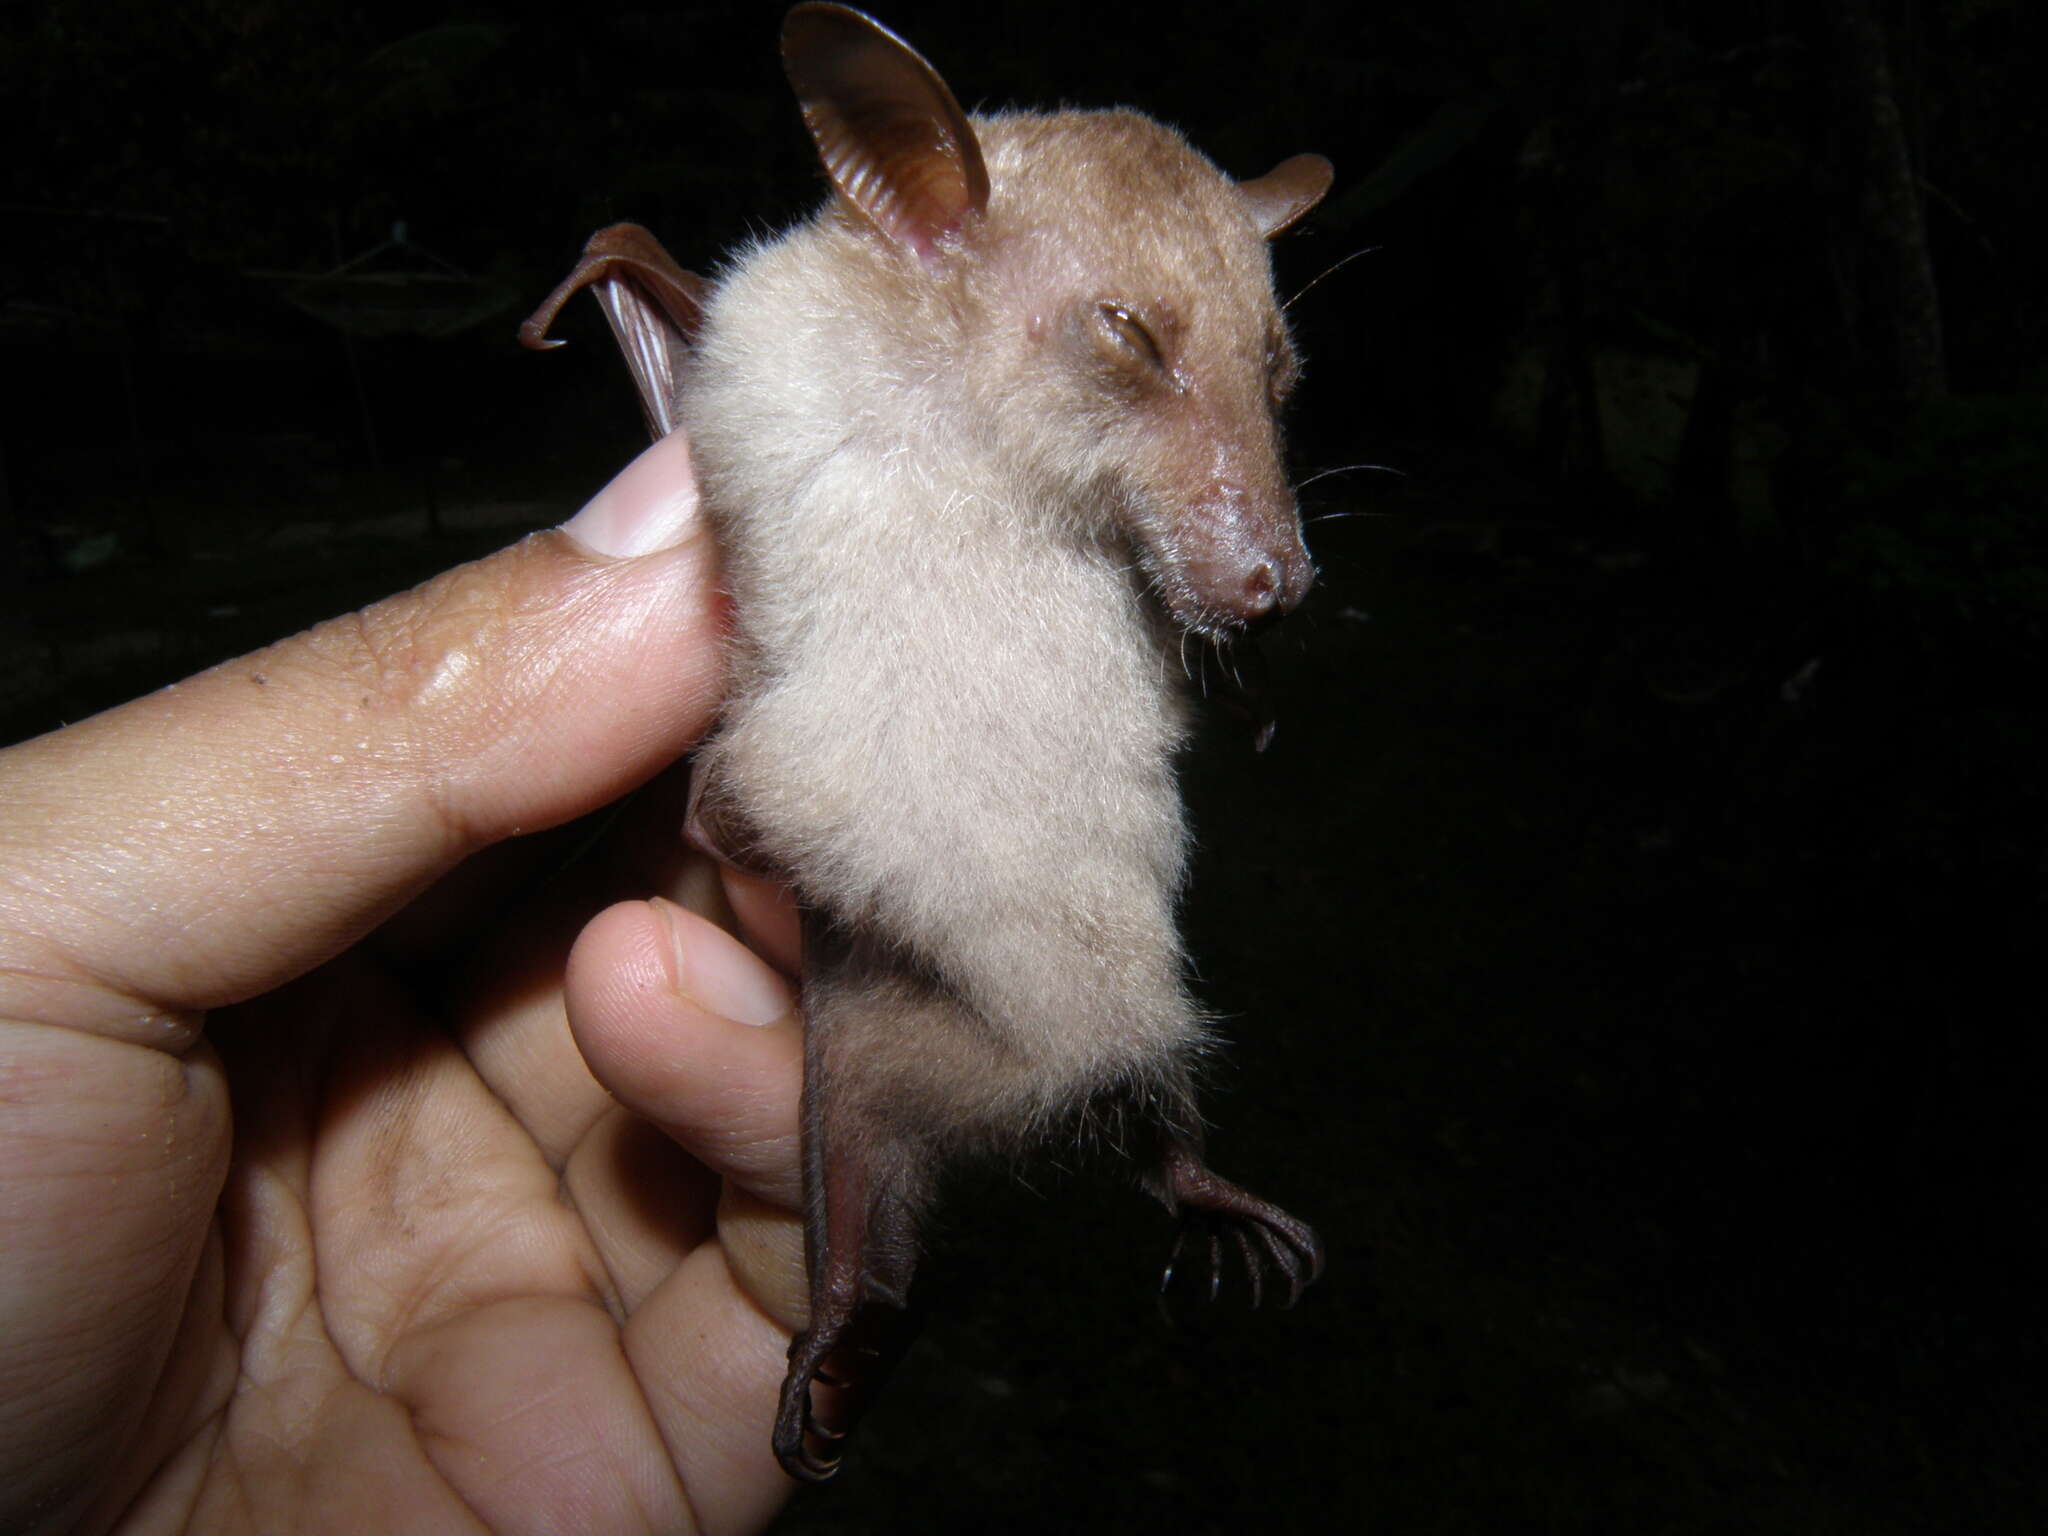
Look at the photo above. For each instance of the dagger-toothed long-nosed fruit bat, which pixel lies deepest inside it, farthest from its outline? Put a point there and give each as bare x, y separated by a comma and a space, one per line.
983, 443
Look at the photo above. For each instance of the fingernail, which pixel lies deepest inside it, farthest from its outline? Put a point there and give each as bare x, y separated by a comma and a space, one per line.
719, 974
649, 506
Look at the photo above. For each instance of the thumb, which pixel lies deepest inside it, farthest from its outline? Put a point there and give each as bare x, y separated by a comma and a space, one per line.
216, 838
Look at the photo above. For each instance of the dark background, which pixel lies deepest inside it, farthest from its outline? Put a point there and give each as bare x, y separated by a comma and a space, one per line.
1632, 943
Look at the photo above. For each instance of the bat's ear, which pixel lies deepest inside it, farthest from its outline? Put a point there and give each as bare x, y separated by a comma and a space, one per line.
1278, 199
893, 139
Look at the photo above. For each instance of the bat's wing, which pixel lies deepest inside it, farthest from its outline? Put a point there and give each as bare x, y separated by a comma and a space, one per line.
654, 307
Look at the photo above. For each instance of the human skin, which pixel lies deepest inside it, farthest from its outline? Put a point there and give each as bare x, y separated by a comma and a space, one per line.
365, 1162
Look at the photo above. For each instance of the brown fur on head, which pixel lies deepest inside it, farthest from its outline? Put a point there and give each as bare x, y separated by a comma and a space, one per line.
1137, 352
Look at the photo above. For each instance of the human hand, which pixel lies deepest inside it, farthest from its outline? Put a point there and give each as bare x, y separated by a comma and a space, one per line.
502, 1234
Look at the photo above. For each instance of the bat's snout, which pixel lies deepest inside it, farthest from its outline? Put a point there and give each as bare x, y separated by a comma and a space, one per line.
1243, 567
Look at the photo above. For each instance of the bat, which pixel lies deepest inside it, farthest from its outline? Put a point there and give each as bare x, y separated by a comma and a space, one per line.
985, 444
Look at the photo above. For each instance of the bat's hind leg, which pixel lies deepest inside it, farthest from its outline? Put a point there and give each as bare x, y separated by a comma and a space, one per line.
860, 1284
865, 1186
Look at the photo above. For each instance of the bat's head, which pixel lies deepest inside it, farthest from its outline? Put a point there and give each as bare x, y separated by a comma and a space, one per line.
1135, 349
1106, 300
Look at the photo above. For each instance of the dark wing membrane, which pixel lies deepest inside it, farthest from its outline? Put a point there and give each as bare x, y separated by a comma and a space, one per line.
654, 308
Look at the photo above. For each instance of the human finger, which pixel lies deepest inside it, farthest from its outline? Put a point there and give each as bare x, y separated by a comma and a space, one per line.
210, 841
692, 1033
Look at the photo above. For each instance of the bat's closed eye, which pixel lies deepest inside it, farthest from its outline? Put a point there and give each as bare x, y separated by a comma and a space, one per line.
1123, 336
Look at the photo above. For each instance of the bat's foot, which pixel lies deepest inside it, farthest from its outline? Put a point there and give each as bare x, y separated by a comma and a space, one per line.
849, 1352
806, 1446
1262, 1235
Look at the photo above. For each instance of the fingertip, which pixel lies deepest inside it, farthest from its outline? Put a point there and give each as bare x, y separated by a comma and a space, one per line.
685, 1027
650, 505
721, 975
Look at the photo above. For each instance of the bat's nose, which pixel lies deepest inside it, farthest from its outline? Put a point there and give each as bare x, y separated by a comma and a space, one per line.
1240, 550
1277, 584
1271, 582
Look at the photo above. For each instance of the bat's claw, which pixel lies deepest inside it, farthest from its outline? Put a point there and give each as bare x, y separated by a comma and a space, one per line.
1262, 1235
1172, 1259
1250, 1258
849, 1352
799, 1460
800, 1435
